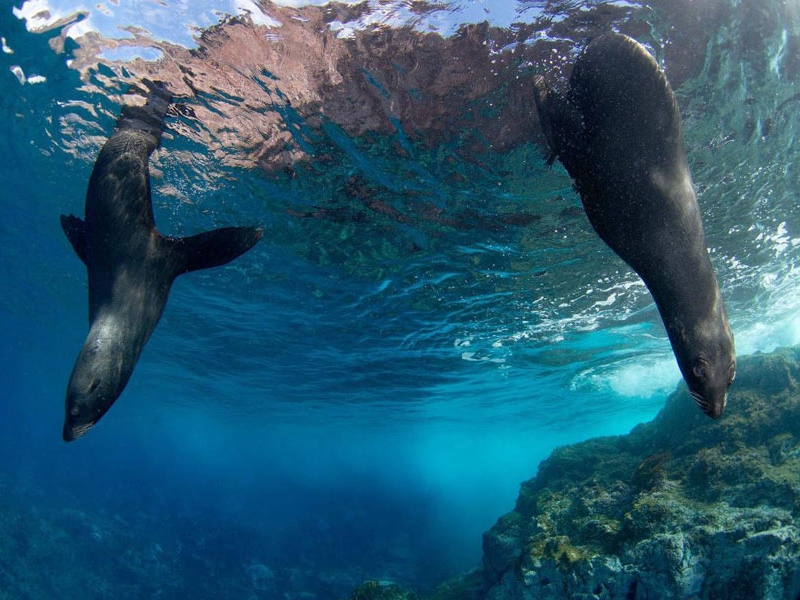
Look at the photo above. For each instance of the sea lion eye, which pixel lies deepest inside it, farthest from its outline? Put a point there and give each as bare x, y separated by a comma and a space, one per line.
74, 410
699, 371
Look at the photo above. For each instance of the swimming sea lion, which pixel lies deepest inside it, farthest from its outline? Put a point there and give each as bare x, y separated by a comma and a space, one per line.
618, 133
130, 265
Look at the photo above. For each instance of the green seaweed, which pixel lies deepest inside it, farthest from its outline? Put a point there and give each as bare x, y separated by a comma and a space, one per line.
559, 549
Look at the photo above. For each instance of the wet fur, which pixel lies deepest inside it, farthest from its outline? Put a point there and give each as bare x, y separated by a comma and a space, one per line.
618, 133
130, 265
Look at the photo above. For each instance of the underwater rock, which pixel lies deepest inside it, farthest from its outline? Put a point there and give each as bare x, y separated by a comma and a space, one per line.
262, 577
381, 590
681, 507
467, 586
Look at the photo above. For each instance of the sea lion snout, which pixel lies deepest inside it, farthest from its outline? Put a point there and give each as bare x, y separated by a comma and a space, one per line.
712, 405
708, 384
87, 400
715, 409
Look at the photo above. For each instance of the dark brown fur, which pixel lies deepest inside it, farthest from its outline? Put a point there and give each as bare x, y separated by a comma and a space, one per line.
618, 133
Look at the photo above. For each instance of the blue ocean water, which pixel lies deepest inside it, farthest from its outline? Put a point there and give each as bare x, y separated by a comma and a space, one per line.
425, 320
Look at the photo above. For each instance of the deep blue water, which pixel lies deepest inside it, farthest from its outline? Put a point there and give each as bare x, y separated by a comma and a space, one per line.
361, 395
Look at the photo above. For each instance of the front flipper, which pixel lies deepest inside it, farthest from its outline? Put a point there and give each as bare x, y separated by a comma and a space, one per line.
75, 230
211, 248
562, 126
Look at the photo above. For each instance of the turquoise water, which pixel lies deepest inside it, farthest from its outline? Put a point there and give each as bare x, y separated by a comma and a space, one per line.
428, 315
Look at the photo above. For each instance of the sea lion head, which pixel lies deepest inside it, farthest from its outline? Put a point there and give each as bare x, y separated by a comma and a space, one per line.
708, 365
708, 383
97, 380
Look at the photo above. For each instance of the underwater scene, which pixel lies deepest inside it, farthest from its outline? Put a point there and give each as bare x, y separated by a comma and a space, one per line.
398, 299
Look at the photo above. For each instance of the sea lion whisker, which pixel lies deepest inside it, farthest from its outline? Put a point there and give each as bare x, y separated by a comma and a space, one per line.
701, 402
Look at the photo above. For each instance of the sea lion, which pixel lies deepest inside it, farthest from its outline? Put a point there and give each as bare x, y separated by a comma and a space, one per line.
130, 265
618, 132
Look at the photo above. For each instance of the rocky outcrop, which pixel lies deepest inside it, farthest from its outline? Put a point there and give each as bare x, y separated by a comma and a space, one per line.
682, 507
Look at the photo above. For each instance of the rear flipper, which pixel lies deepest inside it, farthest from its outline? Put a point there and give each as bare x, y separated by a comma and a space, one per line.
150, 117
211, 248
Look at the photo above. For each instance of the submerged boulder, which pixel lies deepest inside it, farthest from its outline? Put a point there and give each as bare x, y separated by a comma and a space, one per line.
681, 507
381, 590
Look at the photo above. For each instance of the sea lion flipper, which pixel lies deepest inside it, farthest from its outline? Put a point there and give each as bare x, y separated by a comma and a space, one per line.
561, 124
211, 248
75, 230
148, 118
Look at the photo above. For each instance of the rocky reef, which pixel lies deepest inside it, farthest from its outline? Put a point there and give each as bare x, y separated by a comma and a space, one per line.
54, 546
682, 507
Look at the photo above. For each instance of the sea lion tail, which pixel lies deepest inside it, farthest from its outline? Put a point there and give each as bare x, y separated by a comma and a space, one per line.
209, 249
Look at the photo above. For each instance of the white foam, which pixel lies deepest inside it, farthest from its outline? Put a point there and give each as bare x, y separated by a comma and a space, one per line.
656, 376
766, 336
18, 73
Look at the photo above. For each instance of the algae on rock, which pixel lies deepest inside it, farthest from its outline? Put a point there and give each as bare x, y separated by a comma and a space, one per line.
681, 507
